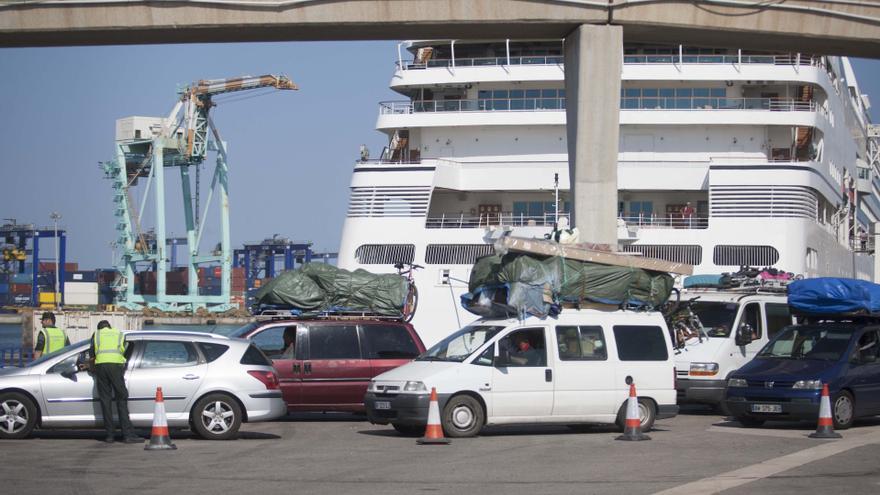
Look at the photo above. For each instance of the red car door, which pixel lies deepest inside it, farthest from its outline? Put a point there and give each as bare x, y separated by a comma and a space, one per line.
335, 374
285, 358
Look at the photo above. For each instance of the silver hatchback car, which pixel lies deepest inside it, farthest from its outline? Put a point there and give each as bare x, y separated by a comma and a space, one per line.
210, 383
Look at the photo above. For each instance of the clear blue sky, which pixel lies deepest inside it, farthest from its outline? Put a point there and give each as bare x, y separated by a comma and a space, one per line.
291, 153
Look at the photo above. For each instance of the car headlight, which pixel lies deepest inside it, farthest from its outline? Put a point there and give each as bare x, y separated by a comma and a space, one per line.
704, 369
414, 387
808, 385
371, 387
737, 382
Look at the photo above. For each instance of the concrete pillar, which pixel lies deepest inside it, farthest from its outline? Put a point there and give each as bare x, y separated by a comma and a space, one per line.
593, 65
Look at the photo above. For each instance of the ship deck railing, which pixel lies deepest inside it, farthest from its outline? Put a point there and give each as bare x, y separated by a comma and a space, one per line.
632, 59
538, 104
462, 221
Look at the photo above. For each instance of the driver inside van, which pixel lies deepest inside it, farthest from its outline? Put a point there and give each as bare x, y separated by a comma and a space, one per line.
523, 353
289, 341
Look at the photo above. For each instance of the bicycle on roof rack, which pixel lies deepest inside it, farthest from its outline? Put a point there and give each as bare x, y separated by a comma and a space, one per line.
412, 294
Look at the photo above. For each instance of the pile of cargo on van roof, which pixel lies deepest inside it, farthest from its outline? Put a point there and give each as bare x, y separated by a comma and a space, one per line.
537, 277
834, 296
318, 288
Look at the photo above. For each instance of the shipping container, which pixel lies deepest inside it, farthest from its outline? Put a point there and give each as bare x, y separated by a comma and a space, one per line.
22, 278
4, 288
20, 289
49, 266
48, 297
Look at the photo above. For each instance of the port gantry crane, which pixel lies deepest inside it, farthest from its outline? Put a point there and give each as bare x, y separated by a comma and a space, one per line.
145, 148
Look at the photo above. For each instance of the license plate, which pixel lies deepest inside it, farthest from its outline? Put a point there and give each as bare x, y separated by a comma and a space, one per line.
383, 404
767, 408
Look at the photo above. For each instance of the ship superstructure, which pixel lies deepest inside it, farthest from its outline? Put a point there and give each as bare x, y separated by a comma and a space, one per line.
726, 158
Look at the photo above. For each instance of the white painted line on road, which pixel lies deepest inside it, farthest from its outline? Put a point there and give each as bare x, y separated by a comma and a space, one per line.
738, 477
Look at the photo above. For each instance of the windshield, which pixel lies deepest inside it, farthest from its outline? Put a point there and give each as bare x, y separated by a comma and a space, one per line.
716, 317
819, 342
46, 357
458, 346
239, 333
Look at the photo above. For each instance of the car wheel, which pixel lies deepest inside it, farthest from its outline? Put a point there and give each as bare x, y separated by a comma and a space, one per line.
463, 416
749, 422
18, 415
216, 417
409, 430
647, 415
843, 410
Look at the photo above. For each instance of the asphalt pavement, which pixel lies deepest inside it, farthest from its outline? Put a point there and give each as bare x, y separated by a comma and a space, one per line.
694, 453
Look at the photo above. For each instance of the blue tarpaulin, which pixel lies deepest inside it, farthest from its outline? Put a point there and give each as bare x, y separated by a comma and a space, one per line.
831, 295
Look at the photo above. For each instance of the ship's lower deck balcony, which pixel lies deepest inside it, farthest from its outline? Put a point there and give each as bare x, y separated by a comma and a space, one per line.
509, 219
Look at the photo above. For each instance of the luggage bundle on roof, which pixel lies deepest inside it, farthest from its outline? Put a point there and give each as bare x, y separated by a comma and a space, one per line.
831, 296
541, 276
318, 288
747, 278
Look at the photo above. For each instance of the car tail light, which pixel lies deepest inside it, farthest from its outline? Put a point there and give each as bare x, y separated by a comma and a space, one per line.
269, 379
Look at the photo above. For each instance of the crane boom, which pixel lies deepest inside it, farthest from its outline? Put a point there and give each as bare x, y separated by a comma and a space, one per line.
196, 100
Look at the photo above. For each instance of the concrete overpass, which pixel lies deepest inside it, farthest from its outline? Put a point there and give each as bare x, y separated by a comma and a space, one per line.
594, 32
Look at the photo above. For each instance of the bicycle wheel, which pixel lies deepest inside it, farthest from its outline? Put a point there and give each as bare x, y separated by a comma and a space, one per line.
411, 303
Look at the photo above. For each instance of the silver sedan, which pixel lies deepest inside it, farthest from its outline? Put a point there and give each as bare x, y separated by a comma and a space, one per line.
210, 383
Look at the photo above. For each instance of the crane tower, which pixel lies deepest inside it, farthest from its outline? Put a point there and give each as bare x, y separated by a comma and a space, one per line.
147, 147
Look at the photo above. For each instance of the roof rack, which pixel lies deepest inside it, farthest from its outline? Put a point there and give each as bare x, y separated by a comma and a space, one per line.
295, 314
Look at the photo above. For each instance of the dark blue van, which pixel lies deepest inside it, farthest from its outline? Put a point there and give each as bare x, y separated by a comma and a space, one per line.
784, 380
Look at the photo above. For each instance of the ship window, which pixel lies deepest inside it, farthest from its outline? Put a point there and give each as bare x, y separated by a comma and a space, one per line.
684, 92
533, 93
456, 254
499, 93
548, 93
649, 92
484, 94
718, 92
735, 255
701, 91
690, 254
667, 92
517, 93
385, 254
632, 92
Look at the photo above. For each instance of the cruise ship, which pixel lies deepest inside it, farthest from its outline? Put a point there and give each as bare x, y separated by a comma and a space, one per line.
726, 158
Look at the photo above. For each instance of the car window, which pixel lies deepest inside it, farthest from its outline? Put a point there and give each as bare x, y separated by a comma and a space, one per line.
212, 351
333, 342
526, 347
389, 342
640, 343
168, 354
778, 317
867, 349
579, 343
254, 356
752, 317
68, 364
271, 342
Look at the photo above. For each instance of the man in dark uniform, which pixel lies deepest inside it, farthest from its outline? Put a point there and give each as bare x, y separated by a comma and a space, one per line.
50, 338
108, 348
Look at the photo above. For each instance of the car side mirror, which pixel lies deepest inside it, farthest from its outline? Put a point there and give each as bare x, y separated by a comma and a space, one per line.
70, 374
744, 334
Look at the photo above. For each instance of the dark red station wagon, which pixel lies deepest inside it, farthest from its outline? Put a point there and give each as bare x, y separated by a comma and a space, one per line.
331, 361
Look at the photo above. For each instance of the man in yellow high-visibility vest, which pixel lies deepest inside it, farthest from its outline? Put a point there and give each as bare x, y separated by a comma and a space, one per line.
50, 338
108, 348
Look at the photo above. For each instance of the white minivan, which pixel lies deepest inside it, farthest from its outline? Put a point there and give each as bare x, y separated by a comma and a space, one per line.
574, 369
736, 324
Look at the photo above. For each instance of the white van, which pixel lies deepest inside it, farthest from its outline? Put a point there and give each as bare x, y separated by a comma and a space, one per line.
573, 370
737, 324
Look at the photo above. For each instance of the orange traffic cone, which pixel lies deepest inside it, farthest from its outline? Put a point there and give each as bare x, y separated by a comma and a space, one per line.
159, 438
825, 428
632, 430
433, 431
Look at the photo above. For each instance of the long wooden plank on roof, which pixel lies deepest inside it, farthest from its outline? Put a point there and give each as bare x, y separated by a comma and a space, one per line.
550, 248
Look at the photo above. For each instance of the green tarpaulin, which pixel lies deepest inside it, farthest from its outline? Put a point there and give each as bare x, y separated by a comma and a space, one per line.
532, 284
319, 287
